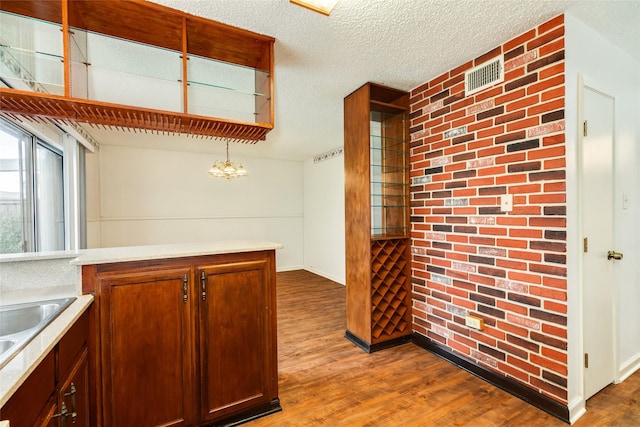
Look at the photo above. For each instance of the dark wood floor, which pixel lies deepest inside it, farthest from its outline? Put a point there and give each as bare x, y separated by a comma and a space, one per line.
324, 380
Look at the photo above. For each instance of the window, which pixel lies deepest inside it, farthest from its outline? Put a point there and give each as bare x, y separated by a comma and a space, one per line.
31, 193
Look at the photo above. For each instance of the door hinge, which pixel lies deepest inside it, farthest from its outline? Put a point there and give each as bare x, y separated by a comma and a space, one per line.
585, 128
185, 282
203, 282
586, 360
585, 245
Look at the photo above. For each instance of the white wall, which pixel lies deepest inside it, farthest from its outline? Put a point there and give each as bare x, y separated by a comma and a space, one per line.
324, 218
153, 196
92, 194
612, 71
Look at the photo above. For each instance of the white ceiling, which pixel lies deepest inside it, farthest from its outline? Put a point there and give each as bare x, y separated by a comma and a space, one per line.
401, 43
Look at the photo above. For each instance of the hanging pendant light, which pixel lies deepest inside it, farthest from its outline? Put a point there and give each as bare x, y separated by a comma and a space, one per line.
227, 169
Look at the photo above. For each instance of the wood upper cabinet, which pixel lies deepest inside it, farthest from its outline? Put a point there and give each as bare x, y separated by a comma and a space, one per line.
135, 64
185, 341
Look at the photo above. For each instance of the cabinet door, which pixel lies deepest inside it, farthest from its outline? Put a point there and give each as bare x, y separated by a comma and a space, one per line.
74, 392
50, 416
147, 341
35, 398
237, 338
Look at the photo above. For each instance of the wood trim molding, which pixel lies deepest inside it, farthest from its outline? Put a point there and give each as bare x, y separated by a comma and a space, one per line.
372, 348
37, 107
512, 387
253, 414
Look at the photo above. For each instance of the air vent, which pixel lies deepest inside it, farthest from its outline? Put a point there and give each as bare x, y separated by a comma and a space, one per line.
484, 75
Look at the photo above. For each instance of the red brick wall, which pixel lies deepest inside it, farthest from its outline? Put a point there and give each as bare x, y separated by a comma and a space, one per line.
469, 257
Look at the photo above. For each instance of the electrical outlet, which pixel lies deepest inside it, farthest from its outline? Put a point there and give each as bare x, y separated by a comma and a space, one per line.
506, 202
474, 322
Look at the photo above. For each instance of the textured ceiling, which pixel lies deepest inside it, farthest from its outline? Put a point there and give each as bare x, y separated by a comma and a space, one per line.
401, 43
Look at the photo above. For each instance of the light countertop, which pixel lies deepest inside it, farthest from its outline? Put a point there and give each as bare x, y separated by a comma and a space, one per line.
138, 253
38, 256
14, 373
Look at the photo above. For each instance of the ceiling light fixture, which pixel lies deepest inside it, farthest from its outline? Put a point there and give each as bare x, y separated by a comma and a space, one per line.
227, 169
321, 6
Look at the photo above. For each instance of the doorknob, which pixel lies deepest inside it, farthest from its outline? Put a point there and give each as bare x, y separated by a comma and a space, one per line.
614, 255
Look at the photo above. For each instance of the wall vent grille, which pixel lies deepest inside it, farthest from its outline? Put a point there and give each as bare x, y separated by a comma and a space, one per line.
484, 75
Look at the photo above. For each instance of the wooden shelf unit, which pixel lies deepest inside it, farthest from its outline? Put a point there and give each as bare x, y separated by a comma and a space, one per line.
378, 244
141, 22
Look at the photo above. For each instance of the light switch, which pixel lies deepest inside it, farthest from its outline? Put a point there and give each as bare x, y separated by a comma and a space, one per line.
506, 202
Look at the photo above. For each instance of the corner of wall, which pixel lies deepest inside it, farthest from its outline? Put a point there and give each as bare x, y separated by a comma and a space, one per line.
576, 410
324, 245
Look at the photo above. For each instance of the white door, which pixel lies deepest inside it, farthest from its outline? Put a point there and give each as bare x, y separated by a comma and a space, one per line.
597, 215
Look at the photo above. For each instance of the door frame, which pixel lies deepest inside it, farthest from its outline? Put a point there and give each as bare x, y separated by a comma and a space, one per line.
615, 297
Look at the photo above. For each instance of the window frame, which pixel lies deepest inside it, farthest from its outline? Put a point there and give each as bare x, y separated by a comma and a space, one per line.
29, 142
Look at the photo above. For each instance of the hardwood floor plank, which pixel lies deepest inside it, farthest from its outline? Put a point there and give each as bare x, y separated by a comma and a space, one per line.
325, 380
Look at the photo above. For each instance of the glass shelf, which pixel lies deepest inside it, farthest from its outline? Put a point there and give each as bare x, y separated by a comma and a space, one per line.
390, 232
227, 90
147, 76
31, 54
390, 149
389, 195
225, 76
387, 157
387, 168
208, 100
390, 199
388, 183
392, 190
388, 174
390, 141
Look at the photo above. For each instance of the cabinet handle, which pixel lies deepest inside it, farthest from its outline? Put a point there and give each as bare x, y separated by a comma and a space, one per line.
203, 281
63, 415
72, 393
185, 281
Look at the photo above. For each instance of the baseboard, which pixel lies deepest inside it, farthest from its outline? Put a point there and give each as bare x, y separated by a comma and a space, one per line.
339, 280
577, 409
372, 348
518, 390
250, 415
289, 268
628, 368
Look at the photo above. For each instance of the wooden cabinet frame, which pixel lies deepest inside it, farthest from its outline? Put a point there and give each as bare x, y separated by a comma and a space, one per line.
378, 257
40, 398
155, 25
237, 289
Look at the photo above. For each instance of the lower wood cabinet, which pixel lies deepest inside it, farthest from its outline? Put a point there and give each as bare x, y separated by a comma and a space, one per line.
146, 329
56, 394
185, 342
237, 338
